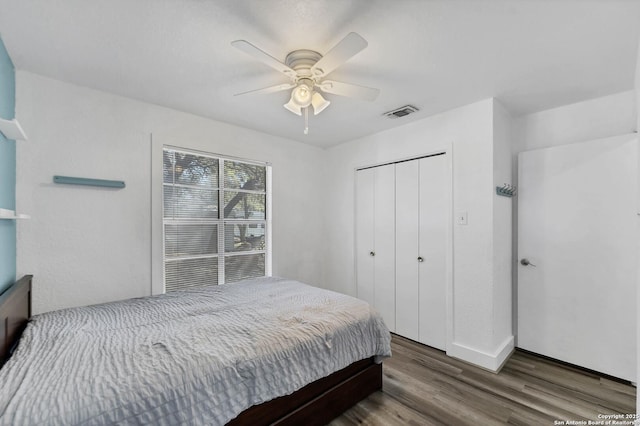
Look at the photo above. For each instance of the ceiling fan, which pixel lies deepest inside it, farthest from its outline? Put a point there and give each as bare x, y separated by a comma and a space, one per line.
306, 70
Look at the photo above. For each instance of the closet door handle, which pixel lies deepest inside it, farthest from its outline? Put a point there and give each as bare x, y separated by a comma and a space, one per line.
525, 262
372, 253
420, 259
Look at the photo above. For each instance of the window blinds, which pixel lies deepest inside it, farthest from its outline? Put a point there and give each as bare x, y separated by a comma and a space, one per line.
215, 219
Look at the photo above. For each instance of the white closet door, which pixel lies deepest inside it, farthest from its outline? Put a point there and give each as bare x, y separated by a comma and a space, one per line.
384, 239
365, 225
433, 207
407, 223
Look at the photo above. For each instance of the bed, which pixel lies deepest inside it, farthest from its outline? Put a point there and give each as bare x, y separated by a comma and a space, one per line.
263, 351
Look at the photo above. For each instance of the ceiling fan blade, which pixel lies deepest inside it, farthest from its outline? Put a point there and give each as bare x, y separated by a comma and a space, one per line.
339, 54
349, 90
271, 89
263, 57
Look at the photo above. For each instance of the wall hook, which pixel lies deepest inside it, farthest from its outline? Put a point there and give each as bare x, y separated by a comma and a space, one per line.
506, 190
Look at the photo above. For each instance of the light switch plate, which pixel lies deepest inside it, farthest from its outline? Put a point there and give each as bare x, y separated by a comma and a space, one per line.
461, 218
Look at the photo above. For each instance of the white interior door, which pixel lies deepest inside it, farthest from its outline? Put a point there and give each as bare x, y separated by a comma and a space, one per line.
577, 225
434, 212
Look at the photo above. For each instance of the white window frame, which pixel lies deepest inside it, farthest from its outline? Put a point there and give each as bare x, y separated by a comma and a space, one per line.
157, 222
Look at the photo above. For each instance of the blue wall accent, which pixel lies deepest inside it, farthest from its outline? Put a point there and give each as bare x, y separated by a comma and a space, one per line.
7, 172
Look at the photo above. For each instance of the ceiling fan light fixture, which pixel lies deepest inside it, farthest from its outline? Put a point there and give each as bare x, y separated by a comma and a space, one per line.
301, 95
319, 103
293, 106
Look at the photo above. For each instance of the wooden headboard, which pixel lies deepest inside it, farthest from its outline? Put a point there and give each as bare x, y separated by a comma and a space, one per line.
15, 311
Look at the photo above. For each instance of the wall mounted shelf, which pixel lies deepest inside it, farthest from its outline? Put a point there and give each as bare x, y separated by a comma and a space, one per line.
11, 214
90, 182
11, 129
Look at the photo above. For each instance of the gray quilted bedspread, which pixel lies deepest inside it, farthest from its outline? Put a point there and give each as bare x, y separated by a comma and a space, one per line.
197, 357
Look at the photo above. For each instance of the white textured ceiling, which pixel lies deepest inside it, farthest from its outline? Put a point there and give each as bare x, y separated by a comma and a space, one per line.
436, 55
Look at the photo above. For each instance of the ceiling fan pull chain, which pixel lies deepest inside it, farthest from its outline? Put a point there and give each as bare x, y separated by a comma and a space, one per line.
306, 121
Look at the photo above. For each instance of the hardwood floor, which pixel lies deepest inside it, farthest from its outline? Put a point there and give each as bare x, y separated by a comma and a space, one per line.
422, 386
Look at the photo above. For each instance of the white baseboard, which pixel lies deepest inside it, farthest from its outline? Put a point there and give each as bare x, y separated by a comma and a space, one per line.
489, 361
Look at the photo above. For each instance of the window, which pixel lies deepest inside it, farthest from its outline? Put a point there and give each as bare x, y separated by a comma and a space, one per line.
215, 214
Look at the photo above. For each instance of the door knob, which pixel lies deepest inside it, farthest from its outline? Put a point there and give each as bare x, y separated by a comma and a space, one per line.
525, 262
420, 259
372, 253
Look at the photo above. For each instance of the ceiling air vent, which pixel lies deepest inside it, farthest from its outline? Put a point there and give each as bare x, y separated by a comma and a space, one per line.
401, 112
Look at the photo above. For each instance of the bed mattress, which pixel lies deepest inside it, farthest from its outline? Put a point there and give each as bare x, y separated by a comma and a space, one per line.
193, 357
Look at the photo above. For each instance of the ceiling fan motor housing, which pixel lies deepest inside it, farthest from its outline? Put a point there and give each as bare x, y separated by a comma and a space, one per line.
301, 61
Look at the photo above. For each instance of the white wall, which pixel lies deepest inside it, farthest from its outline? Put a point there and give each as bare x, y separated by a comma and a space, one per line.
593, 119
89, 245
503, 258
469, 131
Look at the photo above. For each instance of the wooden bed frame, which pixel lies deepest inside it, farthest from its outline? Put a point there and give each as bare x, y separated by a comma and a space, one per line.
15, 311
315, 404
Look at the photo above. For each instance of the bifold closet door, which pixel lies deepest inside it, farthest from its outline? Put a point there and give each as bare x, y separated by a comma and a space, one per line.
434, 211
375, 239
365, 224
421, 225
407, 249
